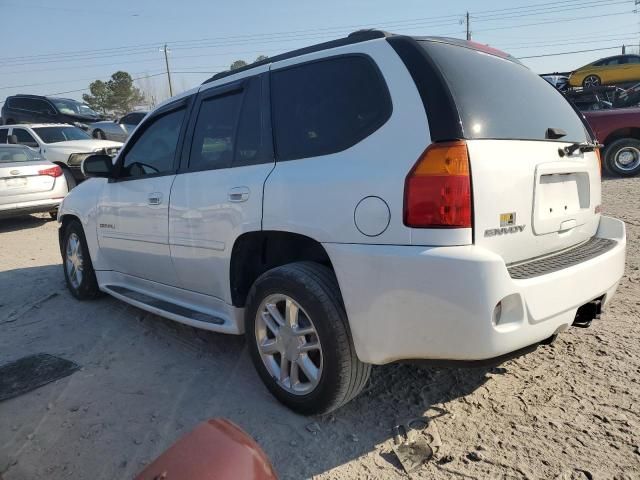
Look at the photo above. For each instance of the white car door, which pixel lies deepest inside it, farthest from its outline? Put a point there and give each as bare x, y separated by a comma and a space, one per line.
218, 194
133, 211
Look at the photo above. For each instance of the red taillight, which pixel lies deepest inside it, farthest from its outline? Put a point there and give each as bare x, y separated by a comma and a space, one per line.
437, 191
54, 171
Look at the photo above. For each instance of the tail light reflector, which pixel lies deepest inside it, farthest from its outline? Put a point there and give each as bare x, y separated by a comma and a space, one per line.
54, 171
437, 192
599, 155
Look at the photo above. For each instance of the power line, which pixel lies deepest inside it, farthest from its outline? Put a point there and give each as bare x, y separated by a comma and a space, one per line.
427, 21
569, 53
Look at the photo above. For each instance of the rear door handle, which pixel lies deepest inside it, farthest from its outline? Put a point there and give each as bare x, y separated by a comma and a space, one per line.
239, 194
155, 198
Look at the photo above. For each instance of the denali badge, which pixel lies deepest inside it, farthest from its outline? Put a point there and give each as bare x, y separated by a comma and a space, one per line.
492, 232
107, 225
507, 219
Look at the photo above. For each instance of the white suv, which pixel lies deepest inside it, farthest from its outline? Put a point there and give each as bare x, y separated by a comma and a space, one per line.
371, 199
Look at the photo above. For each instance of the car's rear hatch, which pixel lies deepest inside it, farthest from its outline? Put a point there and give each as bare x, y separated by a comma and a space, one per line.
530, 198
20, 179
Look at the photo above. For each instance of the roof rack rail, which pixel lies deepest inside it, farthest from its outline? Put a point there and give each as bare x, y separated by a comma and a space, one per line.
354, 37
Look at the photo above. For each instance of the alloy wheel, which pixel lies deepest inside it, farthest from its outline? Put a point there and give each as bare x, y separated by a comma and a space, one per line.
74, 261
288, 344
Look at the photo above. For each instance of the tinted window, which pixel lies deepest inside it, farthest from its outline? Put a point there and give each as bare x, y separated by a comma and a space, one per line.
20, 103
502, 99
251, 147
136, 118
613, 61
61, 134
633, 59
4, 133
24, 137
154, 151
214, 133
327, 106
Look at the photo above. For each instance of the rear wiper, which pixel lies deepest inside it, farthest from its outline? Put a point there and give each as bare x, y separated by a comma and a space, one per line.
582, 146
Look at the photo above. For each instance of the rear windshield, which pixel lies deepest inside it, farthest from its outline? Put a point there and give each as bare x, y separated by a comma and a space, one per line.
501, 99
61, 134
17, 154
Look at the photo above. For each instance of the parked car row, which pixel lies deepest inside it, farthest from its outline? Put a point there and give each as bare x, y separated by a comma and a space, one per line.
65, 145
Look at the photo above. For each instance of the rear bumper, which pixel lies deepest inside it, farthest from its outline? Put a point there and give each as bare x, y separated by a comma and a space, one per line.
25, 208
408, 302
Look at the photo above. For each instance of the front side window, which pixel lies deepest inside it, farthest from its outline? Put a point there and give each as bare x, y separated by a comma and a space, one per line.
214, 133
154, 151
24, 137
61, 134
4, 133
327, 106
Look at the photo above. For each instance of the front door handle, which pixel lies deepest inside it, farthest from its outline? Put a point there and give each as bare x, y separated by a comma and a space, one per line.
155, 198
239, 194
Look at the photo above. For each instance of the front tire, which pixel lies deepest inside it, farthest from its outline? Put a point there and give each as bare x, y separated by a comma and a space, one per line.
591, 81
622, 157
299, 339
76, 262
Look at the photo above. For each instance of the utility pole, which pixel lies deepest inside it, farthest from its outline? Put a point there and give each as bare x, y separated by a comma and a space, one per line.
624, 49
468, 27
166, 61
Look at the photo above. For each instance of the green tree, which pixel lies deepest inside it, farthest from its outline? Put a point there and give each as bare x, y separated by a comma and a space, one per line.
260, 58
118, 95
238, 64
99, 98
124, 94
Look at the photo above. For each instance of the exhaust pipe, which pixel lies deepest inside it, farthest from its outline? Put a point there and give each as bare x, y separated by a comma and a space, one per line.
588, 312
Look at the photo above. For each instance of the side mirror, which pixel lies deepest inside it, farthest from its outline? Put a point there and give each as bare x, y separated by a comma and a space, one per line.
100, 166
12, 139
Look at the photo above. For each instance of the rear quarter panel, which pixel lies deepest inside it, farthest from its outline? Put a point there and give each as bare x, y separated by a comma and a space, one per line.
318, 196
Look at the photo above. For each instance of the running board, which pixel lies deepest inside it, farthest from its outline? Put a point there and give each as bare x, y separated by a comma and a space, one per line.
168, 307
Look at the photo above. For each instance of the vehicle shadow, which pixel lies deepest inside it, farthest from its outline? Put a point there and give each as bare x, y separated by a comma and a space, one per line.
145, 381
23, 222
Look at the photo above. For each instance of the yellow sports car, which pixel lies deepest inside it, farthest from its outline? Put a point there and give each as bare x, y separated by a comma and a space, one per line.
607, 71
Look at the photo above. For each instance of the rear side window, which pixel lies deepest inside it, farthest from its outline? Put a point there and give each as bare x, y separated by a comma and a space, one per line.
327, 106
500, 99
3, 135
214, 133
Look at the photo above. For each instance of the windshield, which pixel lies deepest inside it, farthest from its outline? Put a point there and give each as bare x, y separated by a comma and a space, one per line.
71, 107
17, 154
501, 99
61, 134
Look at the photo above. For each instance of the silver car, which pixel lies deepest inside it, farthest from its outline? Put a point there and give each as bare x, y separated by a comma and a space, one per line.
28, 182
118, 129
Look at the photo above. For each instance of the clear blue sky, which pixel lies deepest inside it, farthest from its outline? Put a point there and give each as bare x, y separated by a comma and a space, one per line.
62, 45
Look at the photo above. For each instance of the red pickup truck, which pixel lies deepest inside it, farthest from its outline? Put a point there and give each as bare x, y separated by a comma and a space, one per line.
619, 130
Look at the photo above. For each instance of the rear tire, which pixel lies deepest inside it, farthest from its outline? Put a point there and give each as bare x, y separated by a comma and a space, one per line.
622, 157
313, 291
76, 263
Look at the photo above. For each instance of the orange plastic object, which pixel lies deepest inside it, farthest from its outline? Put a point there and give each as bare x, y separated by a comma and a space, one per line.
214, 450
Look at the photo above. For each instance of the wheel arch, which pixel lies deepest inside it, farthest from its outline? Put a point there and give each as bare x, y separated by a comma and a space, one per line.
254, 253
626, 132
64, 220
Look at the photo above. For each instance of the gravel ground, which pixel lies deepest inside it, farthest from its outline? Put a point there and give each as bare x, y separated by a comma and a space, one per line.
569, 410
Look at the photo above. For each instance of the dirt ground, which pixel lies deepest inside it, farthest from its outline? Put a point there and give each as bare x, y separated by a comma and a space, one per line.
569, 411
